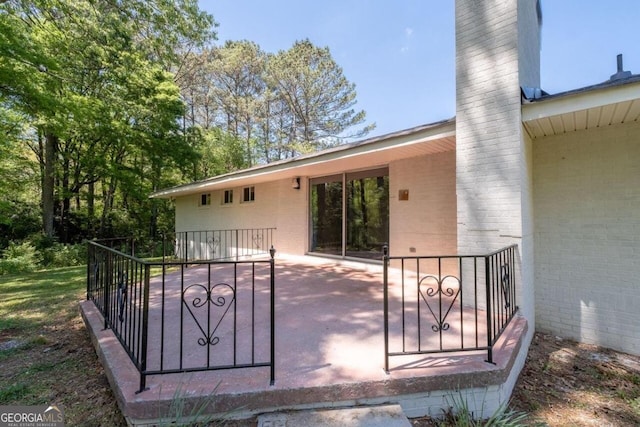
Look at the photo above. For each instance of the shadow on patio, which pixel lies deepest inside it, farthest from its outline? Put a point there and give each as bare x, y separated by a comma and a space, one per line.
329, 345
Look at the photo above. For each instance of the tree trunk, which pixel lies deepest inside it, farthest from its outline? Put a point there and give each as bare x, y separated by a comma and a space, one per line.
91, 208
48, 183
109, 190
66, 202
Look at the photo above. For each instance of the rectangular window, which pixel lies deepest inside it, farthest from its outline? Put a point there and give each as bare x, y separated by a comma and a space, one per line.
248, 194
205, 199
227, 197
350, 213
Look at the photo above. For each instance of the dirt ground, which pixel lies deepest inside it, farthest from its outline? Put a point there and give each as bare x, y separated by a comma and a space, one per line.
565, 383
59, 365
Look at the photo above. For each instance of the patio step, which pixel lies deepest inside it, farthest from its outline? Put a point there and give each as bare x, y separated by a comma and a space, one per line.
374, 416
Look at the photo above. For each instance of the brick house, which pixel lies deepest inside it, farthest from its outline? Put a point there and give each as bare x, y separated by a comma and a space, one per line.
557, 174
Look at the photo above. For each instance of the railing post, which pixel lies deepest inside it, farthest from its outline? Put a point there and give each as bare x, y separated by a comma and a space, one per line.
272, 252
186, 246
237, 245
487, 276
145, 329
385, 279
107, 276
164, 247
89, 258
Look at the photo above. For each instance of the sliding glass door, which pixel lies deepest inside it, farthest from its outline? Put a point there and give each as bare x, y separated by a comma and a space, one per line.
326, 215
367, 202
350, 213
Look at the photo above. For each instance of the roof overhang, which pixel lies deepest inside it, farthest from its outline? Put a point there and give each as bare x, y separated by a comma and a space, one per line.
588, 108
374, 152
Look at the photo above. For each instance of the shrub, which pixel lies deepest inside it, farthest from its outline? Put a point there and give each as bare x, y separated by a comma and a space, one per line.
38, 252
20, 258
17, 221
59, 255
460, 415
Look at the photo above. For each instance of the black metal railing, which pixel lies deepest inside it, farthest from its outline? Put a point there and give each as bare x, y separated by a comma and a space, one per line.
436, 304
169, 319
234, 244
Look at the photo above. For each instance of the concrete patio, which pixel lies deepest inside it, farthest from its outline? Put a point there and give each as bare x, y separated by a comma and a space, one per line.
329, 353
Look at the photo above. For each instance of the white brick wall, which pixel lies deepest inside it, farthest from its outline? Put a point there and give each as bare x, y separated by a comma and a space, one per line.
292, 218
427, 221
482, 401
587, 235
497, 51
487, 124
190, 216
529, 42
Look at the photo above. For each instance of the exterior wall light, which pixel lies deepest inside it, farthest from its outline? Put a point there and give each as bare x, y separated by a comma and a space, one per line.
295, 183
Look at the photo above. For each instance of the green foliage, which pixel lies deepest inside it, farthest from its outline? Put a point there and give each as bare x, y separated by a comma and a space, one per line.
37, 252
459, 415
61, 255
103, 103
220, 152
183, 411
317, 94
277, 105
19, 258
14, 392
18, 221
89, 112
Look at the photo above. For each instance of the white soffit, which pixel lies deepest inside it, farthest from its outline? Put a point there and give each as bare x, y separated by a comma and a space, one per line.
371, 153
582, 110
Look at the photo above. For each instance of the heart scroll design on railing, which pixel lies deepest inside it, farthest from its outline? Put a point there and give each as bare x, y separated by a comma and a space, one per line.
257, 241
206, 303
122, 295
505, 281
214, 245
438, 290
177, 249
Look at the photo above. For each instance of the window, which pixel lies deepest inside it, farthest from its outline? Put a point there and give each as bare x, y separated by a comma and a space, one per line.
350, 213
248, 194
227, 197
205, 199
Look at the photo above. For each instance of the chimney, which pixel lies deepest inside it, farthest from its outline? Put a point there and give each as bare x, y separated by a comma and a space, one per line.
621, 74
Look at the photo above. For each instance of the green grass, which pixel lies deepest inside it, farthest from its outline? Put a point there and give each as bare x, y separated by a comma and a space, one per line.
31, 300
635, 405
54, 362
13, 392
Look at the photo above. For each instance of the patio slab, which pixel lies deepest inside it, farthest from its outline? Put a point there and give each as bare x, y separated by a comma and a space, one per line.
329, 354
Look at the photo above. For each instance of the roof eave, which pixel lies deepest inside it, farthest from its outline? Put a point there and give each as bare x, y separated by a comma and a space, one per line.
578, 100
445, 128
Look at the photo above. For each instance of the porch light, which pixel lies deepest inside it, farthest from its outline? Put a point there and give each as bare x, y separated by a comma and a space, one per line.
295, 183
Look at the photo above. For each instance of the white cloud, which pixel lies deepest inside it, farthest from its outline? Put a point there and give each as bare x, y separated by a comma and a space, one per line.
408, 34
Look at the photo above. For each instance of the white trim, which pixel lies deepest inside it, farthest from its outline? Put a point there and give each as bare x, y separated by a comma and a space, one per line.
579, 101
394, 141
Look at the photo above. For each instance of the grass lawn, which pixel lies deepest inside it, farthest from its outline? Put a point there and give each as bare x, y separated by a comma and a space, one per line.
45, 352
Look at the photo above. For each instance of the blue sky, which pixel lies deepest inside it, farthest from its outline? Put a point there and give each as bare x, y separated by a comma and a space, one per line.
400, 54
